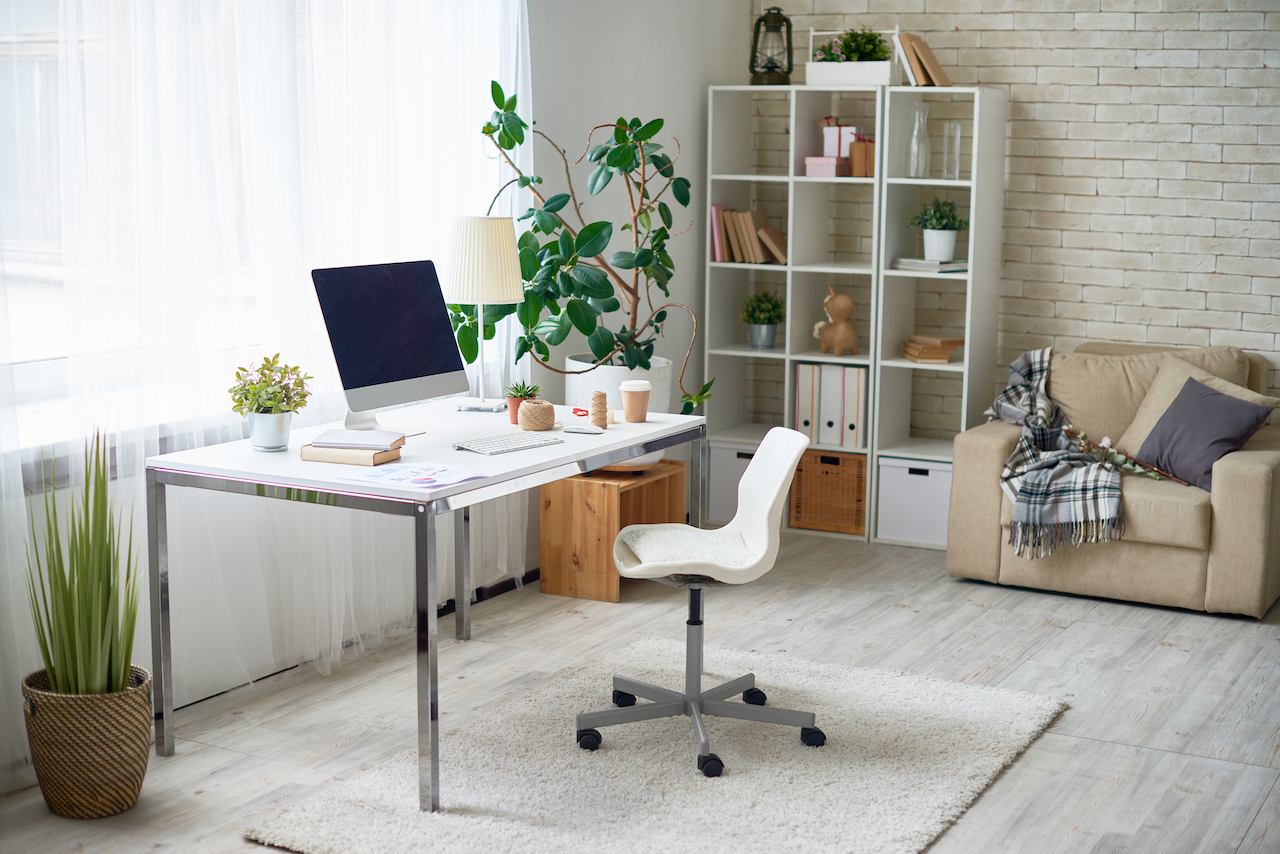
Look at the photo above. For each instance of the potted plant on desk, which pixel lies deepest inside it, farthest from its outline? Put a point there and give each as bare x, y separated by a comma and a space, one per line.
569, 280
940, 223
518, 393
88, 712
268, 395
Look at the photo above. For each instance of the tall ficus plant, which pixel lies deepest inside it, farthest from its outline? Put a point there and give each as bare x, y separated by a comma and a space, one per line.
84, 598
568, 282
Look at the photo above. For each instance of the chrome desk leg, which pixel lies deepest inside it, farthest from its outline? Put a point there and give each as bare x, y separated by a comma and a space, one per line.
697, 480
161, 649
462, 573
424, 571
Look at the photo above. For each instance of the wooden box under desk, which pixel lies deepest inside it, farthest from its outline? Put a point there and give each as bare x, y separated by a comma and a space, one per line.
582, 515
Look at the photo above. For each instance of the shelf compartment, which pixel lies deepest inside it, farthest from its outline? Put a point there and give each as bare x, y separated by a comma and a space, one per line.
832, 226
857, 107
809, 289
728, 286
751, 130
777, 352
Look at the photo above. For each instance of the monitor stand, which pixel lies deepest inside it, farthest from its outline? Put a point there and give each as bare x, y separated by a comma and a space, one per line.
480, 404
366, 420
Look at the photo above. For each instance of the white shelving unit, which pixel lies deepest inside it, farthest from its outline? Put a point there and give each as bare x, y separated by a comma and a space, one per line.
855, 256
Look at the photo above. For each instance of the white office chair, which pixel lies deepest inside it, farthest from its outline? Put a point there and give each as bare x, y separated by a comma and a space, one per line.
682, 556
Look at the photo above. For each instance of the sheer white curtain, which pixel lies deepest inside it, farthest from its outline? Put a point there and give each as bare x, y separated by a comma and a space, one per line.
169, 175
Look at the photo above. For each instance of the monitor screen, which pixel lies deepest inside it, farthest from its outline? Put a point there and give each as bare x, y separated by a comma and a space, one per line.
390, 332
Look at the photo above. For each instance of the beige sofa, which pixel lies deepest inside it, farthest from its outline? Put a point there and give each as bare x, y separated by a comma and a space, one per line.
1184, 547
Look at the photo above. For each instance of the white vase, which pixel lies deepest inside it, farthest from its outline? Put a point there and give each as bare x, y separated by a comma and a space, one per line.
939, 244
608, 378
268, 432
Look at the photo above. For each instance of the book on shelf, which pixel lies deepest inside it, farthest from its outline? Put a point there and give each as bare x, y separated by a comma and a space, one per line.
742, 220
910, 61
931, 341
753, 221
745, 237
718, 238
776, 241
932, 67
350, 456
920, 265
369, 440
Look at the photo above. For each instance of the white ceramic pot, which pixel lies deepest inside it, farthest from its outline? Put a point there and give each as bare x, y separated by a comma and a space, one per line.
268, 432
608, 378
850, 73
939, 244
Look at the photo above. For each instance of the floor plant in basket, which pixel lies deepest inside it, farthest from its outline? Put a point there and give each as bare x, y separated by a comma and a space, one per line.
88, 712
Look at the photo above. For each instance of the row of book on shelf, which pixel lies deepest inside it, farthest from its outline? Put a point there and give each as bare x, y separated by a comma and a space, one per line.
922, 67
745, 237
831, 404
929, 349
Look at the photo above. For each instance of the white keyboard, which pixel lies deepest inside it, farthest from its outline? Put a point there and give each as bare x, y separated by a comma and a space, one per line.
509, 442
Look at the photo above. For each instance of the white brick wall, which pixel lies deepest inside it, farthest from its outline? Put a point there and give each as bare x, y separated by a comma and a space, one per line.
1143, 177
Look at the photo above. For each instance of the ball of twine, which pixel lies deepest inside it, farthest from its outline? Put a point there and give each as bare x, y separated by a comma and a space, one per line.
599, 409
536, 415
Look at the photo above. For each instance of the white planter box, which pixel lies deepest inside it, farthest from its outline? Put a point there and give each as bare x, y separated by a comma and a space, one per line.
851, 73
914, 497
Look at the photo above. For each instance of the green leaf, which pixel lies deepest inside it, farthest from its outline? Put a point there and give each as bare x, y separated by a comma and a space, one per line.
593, 282
662, 163
530, 310
680, 189
528, 264
513, 126
643, 257
566, 244
665, 213
631, 358
499, 99
649, 130
547, 222
556, 202
529, 240
495, 313
605, 306
544, 352
509, 105
644, 220
561, 331
597, 151
600, 342
505, 142
468, 343
622, 157
581, 315
599, 179
623, 259
522, 347
620, 131
593, 238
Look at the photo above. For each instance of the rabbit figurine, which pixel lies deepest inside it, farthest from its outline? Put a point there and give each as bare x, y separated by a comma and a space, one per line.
836, 333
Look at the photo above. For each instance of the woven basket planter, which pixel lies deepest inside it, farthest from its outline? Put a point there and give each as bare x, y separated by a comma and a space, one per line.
89, 750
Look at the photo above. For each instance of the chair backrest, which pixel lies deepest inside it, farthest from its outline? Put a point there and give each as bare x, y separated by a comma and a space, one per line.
762, 491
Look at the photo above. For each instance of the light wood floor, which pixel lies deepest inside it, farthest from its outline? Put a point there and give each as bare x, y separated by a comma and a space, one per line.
1171, 744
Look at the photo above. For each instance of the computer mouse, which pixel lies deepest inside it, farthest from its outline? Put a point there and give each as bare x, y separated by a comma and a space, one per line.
583, 428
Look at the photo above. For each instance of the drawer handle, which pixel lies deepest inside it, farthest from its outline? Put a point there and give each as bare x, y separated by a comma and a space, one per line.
922, 472
806, 422
829, 461
743, 455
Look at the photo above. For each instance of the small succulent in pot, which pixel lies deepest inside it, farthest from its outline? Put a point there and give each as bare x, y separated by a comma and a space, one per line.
517, 393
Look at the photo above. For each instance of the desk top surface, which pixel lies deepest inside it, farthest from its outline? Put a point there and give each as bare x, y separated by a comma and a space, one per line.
431, 428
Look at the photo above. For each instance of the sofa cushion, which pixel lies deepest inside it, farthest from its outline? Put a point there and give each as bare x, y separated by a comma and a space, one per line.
1200, 427
1173, 374
1161, 512
1101, 394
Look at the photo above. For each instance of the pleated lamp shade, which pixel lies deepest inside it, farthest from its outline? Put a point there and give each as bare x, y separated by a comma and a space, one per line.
484, 262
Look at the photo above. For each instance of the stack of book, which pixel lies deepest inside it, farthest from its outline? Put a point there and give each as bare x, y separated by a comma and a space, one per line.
745, 237
920, 265
929, 350
923, 68
354, 447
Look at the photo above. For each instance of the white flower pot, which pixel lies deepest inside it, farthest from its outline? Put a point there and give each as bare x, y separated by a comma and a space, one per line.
851, 73
607, 378
269, 432
939, 244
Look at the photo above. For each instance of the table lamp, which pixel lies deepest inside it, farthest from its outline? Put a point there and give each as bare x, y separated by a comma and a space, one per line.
484, 269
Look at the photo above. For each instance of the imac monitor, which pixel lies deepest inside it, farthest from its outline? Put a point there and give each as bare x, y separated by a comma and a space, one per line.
391, 336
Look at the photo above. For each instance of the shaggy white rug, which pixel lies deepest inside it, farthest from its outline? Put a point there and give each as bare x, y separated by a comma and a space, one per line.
905, 756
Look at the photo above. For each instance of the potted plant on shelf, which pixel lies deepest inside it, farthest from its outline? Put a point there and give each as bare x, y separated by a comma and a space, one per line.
762, 313
518, 393
268, 395
570, 283
940, 223
88, 712
855, 57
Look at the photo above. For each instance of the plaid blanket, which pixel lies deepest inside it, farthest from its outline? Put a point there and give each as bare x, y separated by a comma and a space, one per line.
1059, 494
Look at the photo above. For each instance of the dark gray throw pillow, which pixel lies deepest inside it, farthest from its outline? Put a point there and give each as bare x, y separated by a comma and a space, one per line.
1200, 427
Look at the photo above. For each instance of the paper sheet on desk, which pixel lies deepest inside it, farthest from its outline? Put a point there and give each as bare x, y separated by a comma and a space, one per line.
413, 476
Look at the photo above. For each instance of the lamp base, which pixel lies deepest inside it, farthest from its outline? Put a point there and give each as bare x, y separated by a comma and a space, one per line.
479, 404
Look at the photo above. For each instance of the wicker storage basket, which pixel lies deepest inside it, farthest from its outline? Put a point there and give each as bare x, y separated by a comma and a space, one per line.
89, 750
829, 492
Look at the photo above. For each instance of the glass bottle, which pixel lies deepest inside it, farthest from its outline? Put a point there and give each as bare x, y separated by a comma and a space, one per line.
951, 151
920, 144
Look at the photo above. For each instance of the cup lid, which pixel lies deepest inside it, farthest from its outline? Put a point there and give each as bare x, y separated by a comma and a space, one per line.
634, 385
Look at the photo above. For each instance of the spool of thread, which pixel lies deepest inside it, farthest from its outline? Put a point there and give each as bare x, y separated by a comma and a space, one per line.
536, 415
599, 409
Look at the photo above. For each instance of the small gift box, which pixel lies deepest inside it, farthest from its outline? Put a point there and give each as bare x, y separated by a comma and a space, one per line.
826, 167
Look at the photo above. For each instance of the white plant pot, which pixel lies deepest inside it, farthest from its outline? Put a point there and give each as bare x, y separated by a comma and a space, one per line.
939, 244
607, 378
851, 73
269, 432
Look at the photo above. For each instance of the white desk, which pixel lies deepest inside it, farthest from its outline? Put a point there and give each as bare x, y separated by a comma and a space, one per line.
235, 467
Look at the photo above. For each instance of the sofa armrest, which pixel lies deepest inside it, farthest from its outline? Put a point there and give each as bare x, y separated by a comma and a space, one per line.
973, 520
1244, 540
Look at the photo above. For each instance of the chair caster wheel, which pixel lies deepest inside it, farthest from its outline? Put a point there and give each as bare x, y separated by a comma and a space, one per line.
589, 739
710, 765
812, 736
622, 698
754, 696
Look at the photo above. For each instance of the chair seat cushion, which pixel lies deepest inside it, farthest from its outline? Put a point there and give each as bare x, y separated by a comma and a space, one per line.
1162, 512
688, 545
